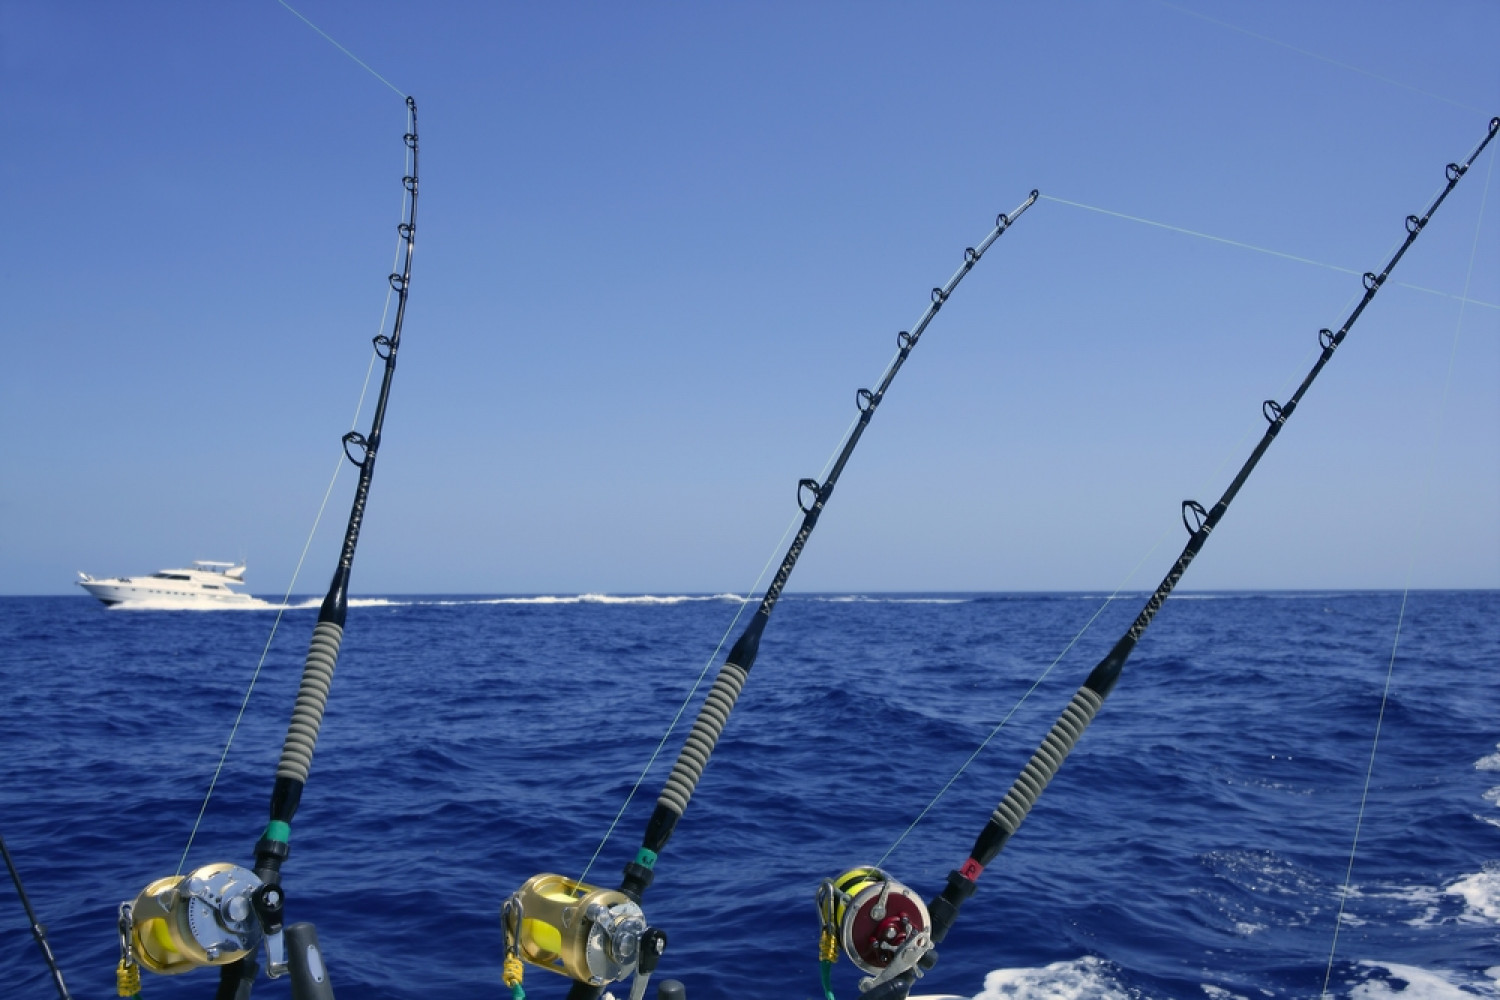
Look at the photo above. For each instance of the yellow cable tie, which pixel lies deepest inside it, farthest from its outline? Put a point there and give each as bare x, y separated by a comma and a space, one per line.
828, 948
128, 979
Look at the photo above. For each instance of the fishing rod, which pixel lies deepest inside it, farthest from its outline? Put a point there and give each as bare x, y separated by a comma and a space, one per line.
37, 930
220, 913
612, 940
882, 926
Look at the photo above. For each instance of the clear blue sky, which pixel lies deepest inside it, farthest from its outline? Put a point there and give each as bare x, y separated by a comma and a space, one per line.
662, 244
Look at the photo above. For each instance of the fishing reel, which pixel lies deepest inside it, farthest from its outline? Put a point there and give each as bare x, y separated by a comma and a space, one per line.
878, 923
214, 915
590, 935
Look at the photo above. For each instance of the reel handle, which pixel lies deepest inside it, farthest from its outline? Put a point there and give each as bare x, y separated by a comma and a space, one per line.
671, 989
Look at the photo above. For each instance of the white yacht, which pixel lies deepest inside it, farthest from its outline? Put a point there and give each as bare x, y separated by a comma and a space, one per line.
206, 585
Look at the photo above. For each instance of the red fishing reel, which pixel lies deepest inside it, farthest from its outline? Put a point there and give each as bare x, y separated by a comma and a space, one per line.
878, 923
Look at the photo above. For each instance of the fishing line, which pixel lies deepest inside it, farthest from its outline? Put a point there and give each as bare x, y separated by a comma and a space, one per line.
616, 913
1390, 669
693, 692
744, 602
1321, 58
399, 92
916, 953
1212, 476
828, 464
1017, 706
1265, 250
297, 570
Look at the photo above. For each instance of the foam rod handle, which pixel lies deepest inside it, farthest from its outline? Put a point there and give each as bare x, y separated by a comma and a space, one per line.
309, 974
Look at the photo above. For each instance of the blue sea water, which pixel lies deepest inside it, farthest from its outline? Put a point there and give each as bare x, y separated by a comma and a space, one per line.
1194, 845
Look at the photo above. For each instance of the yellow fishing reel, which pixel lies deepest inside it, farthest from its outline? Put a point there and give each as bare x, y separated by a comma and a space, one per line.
591, 935
214, 915
878, 923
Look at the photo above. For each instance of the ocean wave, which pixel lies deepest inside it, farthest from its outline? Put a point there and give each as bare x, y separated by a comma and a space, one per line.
544, 599
1490, 763
867, 599
1220, 993
165, 604
1412, 983
1481, 895
1086, 978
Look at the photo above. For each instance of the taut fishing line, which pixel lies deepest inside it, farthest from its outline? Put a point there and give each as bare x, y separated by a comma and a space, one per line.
297, 569
612, 940
1390, 669
362, 64
1208, 479
915, 930
744, 603
221, 914
1264, 250
1321, 58
693, 691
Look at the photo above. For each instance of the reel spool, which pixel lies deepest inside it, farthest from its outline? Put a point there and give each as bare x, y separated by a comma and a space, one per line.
588, 934
206, 917
878, 923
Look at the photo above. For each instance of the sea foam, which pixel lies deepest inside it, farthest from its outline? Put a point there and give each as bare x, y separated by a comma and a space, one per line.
1086, 978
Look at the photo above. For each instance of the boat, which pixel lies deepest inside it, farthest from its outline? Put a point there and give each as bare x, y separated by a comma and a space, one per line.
207, 584
274, 841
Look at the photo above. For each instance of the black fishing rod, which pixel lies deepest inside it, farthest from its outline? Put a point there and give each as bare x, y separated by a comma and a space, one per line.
615, 918
851, 900
218, 914
37, 930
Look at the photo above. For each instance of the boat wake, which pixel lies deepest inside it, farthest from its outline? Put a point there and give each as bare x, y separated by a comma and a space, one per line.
544, 599
1092, 978
167, 604
1388, 979
1086, 978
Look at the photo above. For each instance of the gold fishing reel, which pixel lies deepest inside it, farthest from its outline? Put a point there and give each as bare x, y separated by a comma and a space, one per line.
188, 921
214, 915
878, 923
591, 935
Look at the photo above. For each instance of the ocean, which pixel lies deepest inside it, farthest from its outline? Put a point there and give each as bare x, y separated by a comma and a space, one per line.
1194, 846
